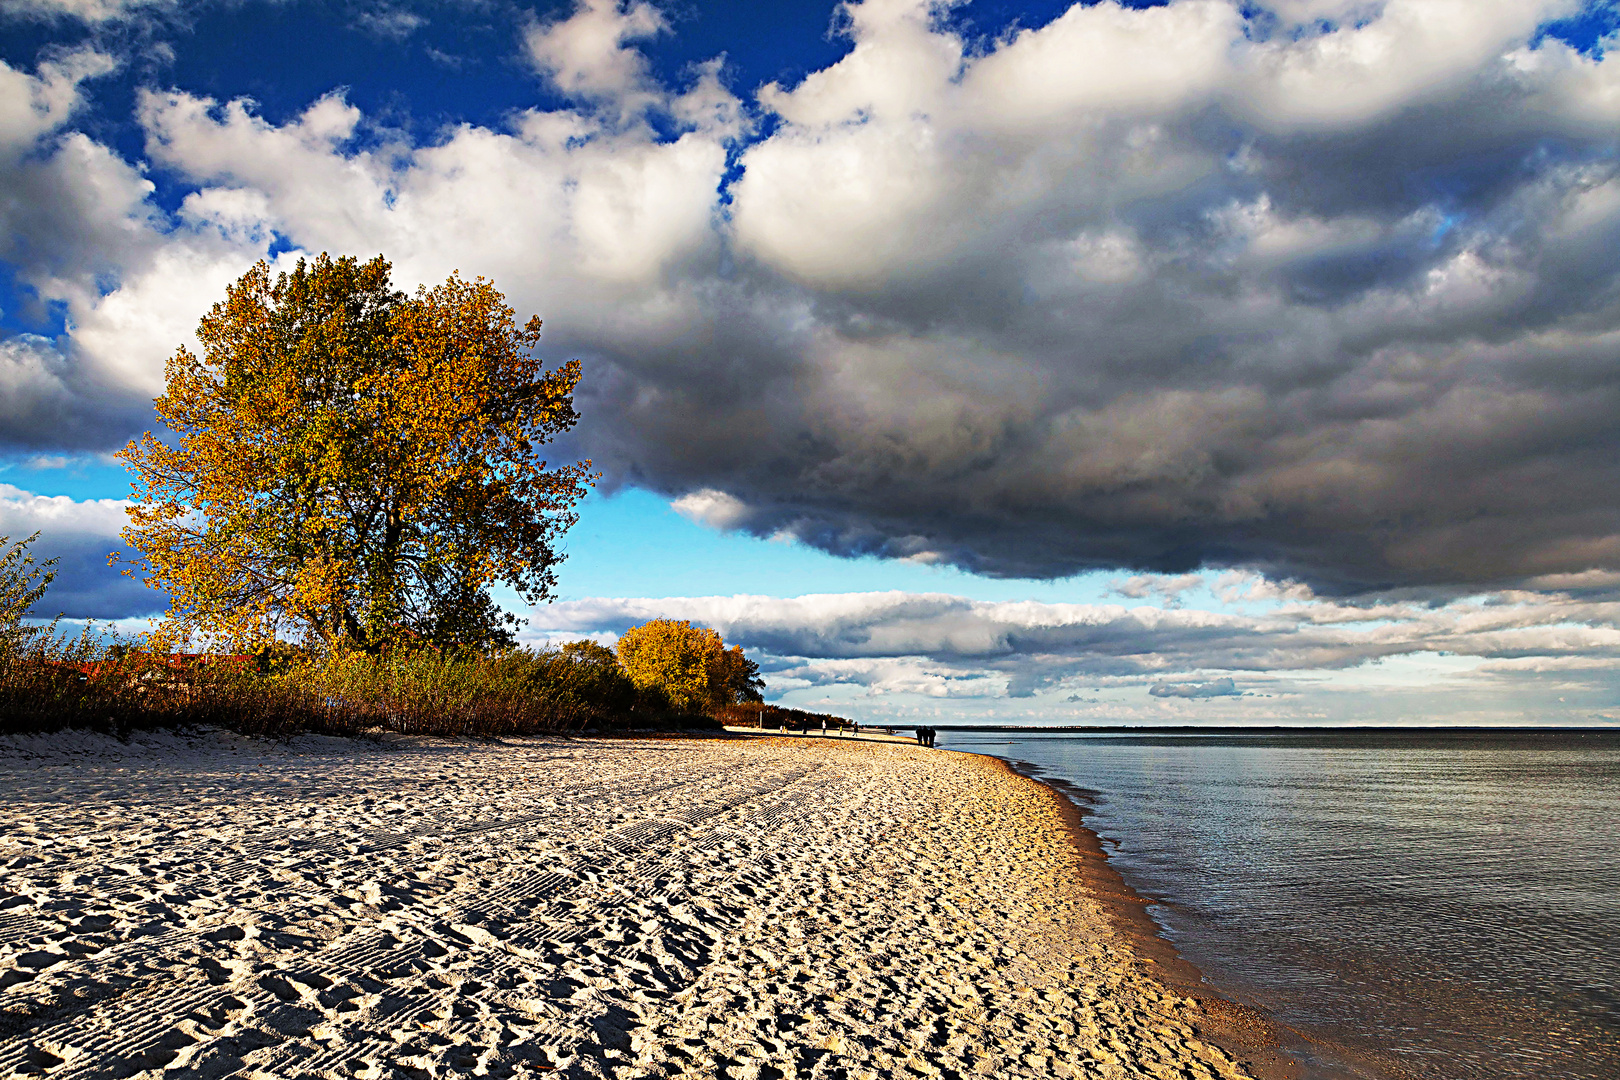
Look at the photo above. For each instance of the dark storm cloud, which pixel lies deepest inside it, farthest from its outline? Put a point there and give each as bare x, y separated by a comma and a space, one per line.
47, 402
87, 588
1373, 353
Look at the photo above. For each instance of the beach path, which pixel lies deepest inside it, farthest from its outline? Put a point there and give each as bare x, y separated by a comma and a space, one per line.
214, 906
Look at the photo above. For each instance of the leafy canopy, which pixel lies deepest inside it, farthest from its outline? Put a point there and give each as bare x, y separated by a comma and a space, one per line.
353, 464
690, 664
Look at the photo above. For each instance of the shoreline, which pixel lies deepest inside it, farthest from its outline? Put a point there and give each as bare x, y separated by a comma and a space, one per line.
1278, 1050
1243, 1031
1247, 1033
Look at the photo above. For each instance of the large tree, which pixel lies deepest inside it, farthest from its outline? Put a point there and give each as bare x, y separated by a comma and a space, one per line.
354, 465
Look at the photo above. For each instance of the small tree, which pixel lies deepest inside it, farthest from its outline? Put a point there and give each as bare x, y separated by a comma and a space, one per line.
738, 679
690, 664
354, 465
22, 583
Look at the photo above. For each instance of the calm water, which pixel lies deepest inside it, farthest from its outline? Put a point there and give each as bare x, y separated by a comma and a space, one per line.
1437, 906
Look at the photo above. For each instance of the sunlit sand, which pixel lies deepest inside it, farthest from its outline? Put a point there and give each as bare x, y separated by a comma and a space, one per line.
745, 907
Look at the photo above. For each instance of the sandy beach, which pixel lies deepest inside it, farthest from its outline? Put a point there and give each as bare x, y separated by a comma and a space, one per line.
214, 906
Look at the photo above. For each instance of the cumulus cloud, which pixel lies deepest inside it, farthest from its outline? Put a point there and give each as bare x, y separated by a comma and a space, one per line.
79, 229
1081, 329
32, 106
1322, 289
589, 54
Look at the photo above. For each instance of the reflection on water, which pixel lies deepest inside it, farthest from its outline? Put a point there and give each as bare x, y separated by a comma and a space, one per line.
1444, 905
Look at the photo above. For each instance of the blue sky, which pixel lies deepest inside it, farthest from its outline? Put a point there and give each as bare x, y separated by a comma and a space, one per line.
635, 544
1179, 362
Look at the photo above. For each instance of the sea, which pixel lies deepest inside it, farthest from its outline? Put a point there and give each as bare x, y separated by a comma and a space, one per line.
1437, 904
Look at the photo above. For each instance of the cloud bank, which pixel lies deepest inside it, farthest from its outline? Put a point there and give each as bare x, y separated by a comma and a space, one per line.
1324, 289
1250, 640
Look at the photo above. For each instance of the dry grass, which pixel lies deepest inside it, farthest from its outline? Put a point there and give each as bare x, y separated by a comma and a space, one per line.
49, 683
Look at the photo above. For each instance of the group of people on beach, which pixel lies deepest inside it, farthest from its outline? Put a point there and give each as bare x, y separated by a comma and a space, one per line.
925, 736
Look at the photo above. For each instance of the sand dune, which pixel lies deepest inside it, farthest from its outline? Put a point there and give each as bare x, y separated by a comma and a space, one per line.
213, 906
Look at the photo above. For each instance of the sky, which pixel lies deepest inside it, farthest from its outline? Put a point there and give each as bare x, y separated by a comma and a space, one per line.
1196, 362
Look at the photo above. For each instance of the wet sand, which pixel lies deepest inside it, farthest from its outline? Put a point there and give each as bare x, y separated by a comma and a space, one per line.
741, 907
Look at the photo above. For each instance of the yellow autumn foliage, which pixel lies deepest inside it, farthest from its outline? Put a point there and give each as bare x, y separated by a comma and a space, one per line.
353, 465
689, 664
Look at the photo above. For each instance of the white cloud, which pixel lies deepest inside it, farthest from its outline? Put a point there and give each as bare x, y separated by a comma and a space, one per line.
23, 512
588, 54
35, 105
609, 208
128, 333
393, 23
87, 11
1168, 588
80, 229
1105, 57
713, 508
1406, 54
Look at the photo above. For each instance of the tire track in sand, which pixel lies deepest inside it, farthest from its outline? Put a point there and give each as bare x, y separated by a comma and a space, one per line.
144, 1020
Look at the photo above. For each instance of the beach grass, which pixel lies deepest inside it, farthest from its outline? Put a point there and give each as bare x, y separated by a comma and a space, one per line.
50, 682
